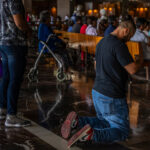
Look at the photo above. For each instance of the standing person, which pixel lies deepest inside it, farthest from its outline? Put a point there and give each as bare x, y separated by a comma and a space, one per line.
13, 49
77, 26
113, 63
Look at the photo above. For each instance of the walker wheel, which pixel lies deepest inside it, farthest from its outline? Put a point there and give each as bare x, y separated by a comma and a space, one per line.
32, 75
60, 76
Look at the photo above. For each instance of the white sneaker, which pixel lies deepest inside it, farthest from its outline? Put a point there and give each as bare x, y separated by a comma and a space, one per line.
14, 121
2, 113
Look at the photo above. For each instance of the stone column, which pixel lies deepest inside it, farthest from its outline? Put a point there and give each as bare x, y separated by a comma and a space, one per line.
63, 8
27, 5
124, 7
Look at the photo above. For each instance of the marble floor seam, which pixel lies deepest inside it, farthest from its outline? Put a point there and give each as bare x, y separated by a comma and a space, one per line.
49, 137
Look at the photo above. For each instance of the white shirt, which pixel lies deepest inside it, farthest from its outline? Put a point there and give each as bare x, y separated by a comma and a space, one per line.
140, 36
91, 30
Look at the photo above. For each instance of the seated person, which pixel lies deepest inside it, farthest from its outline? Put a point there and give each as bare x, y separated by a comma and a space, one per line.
147, 29
91, 29
102, 27
140, 36
43, 33
85, 25
70, 26
77, 26
113, 23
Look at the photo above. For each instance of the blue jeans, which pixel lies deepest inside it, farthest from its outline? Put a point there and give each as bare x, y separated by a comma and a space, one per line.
111, 123
13, 64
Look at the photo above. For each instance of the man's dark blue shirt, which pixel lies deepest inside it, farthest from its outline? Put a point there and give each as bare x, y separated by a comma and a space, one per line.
112, 55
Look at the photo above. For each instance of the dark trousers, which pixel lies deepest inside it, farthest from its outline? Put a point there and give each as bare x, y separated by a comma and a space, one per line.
13, 64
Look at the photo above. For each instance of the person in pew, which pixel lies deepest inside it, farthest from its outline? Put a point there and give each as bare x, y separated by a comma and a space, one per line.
141, 37
147, 29
102, 16
44, 31
91, 29
113, 23
85, 25
77, 26
102, 27
113, 64
70, 26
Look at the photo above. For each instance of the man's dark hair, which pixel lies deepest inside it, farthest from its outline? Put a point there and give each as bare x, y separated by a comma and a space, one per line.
140, 22
44, 15
112, 19
128, 19
78, 18
70, 23
89, 20
128, 24
93, 18
103, 25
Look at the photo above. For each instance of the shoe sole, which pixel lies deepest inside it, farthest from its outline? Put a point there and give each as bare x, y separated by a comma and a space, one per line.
66, 127
78, 135
16, 126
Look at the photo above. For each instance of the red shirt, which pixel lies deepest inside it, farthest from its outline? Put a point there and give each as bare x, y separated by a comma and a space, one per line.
83, 29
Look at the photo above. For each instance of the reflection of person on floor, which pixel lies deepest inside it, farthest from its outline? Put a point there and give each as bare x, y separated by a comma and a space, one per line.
113, 63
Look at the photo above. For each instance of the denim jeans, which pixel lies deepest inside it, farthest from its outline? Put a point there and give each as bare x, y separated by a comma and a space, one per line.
13, 64
111, 123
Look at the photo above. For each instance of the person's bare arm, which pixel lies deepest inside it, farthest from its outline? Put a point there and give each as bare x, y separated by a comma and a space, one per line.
135, 66
21, 23
132, 68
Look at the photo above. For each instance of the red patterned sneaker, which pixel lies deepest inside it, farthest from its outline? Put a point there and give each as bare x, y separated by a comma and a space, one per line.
85, 134
70, 123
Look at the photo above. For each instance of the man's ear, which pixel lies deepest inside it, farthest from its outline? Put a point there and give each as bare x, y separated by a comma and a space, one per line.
126, 31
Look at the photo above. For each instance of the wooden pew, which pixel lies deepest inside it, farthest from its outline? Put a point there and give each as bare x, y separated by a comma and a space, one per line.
88, 43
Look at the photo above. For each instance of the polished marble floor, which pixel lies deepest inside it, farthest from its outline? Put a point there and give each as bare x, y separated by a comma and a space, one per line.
20, 139
48, 102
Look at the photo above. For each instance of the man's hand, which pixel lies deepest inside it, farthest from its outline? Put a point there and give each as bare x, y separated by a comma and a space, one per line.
132, 68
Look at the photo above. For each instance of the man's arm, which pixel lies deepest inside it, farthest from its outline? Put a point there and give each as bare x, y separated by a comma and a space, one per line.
133, 68
21, 23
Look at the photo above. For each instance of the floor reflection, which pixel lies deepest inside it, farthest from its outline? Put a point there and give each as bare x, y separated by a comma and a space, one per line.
47, 103
19, 139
